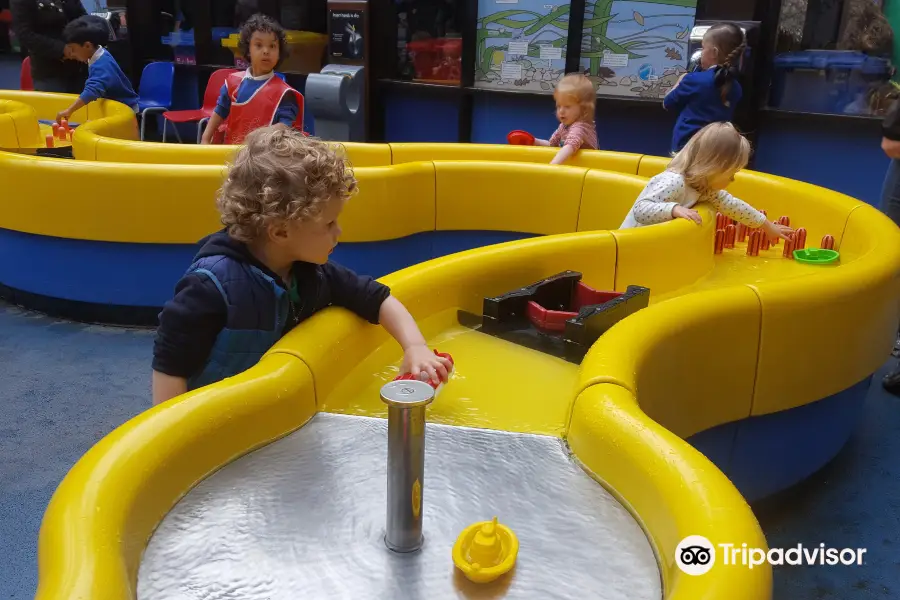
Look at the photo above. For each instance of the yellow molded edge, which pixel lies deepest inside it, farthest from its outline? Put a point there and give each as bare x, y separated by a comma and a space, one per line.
103, 513
826, 332
690, 361
18, 126
528, 198
681, 493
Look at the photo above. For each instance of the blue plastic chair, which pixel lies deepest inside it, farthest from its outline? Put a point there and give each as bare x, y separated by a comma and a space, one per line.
155, 93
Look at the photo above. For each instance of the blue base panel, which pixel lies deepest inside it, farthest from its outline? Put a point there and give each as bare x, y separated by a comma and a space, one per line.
46, 269
767, 454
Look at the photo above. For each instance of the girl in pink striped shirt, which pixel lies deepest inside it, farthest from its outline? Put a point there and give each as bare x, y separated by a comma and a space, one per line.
575, 100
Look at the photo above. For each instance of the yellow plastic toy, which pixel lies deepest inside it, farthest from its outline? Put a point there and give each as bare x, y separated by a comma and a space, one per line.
486, 550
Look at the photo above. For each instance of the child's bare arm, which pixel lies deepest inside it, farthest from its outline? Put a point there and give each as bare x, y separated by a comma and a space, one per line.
65, 114
564, 154
166, 387
211, 126
417, 358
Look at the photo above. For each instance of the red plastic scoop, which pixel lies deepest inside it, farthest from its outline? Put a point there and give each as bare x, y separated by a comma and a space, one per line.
520, 138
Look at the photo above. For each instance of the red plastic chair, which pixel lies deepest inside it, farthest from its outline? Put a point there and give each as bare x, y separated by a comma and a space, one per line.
202, 114
25, 81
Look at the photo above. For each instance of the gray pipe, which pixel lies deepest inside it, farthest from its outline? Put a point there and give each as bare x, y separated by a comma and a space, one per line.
406, 402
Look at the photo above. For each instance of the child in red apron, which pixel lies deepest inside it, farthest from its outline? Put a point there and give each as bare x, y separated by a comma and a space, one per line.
256, 97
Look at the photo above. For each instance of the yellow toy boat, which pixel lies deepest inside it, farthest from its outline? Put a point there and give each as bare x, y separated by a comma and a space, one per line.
486, 550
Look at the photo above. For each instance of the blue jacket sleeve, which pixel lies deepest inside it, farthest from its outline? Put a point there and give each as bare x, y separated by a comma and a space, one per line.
98, 82
360, 294
681, 95
188, 327
223, 106
287, 110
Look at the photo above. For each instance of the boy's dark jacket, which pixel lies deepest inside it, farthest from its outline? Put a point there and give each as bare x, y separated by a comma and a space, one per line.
890, 126
229, 309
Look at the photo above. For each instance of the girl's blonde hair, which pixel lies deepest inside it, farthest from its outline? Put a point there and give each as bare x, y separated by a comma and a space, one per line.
715, 149
579, 87
281, 175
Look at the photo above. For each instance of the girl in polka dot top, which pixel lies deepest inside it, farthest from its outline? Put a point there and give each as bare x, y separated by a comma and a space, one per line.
699, 173
575, 102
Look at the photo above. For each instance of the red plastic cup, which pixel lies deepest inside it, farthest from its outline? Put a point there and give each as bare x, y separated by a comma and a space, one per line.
520, 138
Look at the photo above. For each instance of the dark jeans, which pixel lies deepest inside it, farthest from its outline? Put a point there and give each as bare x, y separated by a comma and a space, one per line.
890, 193
890, 205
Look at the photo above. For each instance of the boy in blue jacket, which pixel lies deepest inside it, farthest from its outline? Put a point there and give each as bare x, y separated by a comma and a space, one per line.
269, 269
84, 39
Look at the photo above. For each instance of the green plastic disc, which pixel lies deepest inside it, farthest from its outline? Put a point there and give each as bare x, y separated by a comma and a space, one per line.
816, 256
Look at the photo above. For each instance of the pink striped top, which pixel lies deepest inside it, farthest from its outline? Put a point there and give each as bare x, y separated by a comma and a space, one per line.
579, 134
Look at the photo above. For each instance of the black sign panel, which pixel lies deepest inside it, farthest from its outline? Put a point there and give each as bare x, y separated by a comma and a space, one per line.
347, 30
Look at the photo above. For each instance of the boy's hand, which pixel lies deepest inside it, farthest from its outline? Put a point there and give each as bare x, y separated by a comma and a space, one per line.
63, 114
776, 230
418, 360
680, 212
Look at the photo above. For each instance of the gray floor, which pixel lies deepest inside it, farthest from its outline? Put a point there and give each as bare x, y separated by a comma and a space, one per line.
63, 386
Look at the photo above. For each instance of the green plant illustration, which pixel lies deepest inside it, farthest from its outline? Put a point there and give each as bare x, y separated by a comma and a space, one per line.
647, 36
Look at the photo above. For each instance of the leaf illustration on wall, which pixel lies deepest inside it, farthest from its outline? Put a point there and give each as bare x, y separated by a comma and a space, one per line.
639, 18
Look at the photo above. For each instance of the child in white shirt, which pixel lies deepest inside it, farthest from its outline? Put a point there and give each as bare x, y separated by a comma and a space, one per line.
700, 172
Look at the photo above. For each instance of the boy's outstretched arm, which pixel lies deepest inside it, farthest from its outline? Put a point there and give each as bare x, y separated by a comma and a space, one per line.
417, 358
372, 301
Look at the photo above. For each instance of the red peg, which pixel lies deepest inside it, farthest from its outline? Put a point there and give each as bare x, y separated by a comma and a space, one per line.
789, 248
720, 241
785, 221
49, 141
729, 236
741, 233
764, 243
828, 242
64, 123
800, 239
765, 212
753, 244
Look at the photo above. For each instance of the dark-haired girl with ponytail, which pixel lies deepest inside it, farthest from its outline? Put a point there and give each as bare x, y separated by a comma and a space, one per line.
711, 93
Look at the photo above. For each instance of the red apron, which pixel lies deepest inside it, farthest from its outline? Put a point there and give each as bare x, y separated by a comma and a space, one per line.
259, 110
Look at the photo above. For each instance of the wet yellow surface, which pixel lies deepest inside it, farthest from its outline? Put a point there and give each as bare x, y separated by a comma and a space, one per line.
503, 386
734, 267
496, 384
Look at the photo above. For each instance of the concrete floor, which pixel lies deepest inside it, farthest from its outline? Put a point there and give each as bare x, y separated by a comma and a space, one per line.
63, 386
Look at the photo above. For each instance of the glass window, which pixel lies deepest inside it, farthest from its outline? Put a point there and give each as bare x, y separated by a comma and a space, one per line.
833, 57
636, 49
428, 36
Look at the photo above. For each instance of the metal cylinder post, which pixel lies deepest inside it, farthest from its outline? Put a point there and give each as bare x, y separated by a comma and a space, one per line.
406, 402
